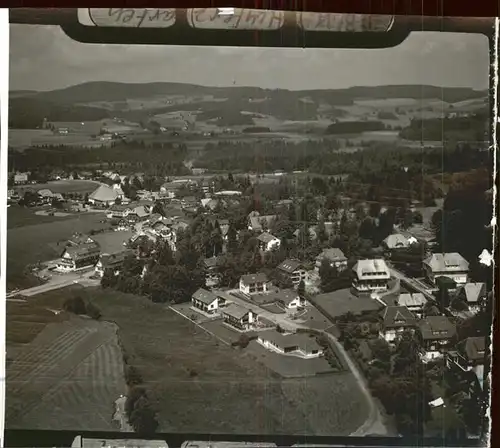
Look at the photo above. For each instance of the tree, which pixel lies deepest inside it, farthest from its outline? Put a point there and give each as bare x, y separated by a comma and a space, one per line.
301, 289
93, 311
328, 274
158, 209
321, 231
140, 413
108, 279
75, 305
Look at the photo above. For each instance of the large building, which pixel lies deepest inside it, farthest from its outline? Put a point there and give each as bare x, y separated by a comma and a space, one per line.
371, 276
334, 257
254, 284
301, 345
79, 257
436, 334
291, 271
105, 196
451, 265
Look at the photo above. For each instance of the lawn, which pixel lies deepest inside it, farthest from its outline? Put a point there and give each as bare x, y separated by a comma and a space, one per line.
30, 244
63, 186
24, 216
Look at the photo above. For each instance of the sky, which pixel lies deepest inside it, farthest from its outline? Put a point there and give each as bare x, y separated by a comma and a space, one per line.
44, 58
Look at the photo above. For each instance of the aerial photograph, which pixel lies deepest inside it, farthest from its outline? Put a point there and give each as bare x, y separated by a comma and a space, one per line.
248, 240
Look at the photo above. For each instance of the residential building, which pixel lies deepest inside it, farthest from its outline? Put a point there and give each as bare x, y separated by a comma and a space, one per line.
21, 178
473, 294
395, 321
45, 195
334, 256
212, 273
254, 284
291, 271
79, 257
239, 317
451, 265
104, 196
469, 354
258, 223
289, 299
112, 261
170, 189
436, 334
79, 239
414, 302
207, 302
139, 213
268, 242
301, 345
119, 211
371, 276
396, 241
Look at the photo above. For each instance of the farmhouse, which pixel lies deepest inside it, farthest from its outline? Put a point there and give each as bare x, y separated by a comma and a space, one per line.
79, 257
436, 334
395, 321
291, 271
239, 317
371, 276
105, 196
268, 242
112, 261
451, 265
473, 294
207, 302
296, 344
334, 256
254, 284
414, 302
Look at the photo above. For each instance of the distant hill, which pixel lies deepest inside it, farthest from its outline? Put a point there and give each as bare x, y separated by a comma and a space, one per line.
69, 104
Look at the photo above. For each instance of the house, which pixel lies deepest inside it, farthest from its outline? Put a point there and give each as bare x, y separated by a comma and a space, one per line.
79, 239
258, 223
395, 321
291, 271
469, 354
334, 256
212, 274
371, 276
301, 345
21, 178
207, 302
451, 265
414, 302
268, 242
119, 211
170, 189
45, 195
436, 334
211, 204
289, 299
254, 284
139, 212
472, 294
79, 257
112, 261
396, 241
239, 317
104, 196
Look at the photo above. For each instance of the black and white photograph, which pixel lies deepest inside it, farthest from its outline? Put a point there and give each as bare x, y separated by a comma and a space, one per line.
249, 240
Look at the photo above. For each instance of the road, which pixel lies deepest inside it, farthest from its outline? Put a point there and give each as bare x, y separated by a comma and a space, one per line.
120, 415
57, 281
411, 283
374, 424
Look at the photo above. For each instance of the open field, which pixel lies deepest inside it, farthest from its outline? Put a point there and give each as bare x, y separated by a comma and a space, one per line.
112, 242
62, 186
71, 373
24, 216
32, 243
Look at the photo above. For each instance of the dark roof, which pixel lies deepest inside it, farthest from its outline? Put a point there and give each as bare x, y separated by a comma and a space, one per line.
111, 260
254, 278
204, 296
333, 254
472, 292
77, 240
437, 327
236, 311
212, 262
301, 341
475, 348
290, 266
83, 251
398, 316
285, 295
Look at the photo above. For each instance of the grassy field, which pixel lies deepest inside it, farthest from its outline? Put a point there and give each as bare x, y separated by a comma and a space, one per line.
63, 186
23, 216
32, 243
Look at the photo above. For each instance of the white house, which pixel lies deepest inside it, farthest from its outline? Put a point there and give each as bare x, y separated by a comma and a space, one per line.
239, 317
396, 320
371, 276
396, 241
451, 265
254, 284
291, 271
268, 242
79, 257
21, 178
207, 302
289, 299
414, 302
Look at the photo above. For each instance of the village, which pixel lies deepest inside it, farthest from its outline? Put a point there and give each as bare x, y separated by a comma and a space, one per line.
324, 309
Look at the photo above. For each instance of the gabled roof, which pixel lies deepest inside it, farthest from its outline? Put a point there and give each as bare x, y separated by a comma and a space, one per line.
475, 348
472, 292
235, 311
115, 259
266, 237
285, 296
204, 296
447, 262
103, 193
372, 269
45, 192
332, 254
289, 266
83, 251
398, 316
396, 240
437, 327
409, 300
254, 278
